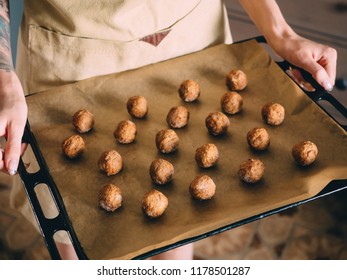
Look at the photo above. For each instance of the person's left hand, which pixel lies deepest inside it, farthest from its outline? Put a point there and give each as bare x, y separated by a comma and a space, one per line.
317, 59
13, 116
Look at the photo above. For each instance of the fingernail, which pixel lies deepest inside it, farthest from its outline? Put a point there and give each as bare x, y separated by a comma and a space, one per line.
12, 167
328, 86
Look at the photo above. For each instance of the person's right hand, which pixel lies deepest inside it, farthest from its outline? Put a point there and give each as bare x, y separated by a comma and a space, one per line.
317, 59
13, 116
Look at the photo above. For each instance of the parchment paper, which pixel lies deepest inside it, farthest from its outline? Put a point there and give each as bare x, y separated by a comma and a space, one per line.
127, 232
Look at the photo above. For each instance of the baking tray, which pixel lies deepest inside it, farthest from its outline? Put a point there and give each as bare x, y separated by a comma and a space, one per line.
63, 222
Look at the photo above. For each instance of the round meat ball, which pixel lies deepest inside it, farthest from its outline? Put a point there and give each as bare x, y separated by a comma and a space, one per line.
83, 121
202, 187
137, 106
167, 141
110, 162
305, 153
189, 90
110, 197
217, 123
154, 203
73, 146
178, 117
161, 171
125, 132
231, 103
236, 80
258, 139
273, 113
251, 171
207, 155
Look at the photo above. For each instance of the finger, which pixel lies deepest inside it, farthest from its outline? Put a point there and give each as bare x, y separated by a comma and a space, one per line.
319, 74
329, 64
13, 148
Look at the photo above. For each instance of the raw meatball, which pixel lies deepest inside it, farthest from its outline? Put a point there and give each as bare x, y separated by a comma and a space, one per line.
154, 203
110, 162
73, 146
125, 132
161, 171
207, 155
236, 80
189, 91
251, 171
258, 138
217, 123
231, 102
110, 197
167, 141
273, 113
202, 187
137, 107
83, 121
305, 153
178, 117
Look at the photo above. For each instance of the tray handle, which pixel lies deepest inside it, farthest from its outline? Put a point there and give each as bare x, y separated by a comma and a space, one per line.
48, 227
319, 92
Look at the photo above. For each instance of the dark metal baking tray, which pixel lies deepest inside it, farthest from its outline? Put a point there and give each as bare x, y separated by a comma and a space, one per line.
49, 227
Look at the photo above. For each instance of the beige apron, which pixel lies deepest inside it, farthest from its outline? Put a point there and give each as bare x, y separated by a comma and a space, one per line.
63, 41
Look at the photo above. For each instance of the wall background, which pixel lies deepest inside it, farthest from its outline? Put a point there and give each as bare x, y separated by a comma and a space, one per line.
16, 10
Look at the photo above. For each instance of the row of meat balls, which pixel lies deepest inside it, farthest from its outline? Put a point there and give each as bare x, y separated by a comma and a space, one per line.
167, 140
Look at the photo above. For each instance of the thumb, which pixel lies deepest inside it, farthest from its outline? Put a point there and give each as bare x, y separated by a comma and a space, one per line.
13, 149
319, 74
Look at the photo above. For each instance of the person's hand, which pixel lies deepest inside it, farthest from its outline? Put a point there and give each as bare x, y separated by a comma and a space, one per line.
317, 59
13, 116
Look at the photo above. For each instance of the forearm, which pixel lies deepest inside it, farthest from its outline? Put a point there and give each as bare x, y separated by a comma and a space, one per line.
5, 43
267, 16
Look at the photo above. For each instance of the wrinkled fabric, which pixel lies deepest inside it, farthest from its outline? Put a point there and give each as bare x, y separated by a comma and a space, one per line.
64, 41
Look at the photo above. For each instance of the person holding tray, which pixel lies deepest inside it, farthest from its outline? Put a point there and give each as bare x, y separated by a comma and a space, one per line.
64, 41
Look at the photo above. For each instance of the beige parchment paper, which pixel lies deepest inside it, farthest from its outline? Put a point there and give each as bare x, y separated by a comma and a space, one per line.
127, 233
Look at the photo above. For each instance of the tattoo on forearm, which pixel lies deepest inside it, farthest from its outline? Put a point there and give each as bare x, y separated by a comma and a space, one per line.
5, 42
